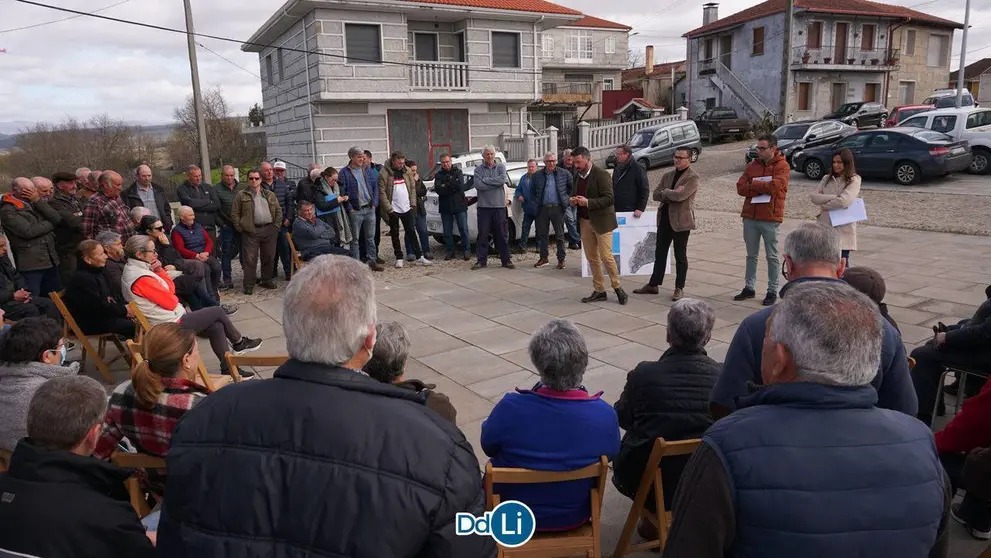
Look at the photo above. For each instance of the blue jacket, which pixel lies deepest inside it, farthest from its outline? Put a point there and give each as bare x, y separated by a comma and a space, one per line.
551, 431
531, 205
742, 364
562, 179
285, 192
819, 471
349, 184
308, 236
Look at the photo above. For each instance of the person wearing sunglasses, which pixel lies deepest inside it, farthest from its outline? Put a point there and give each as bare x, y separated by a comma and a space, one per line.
257, 215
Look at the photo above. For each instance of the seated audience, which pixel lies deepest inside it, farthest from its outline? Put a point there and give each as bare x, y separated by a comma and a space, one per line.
870, 282
58, 501
313, 237
16, 300
146, 408
343, 446
148, 285
667, 398
388, 365
90, 299
811, 254
810, 465
965, 345
31, 352
191, 240
114, 268
556, 426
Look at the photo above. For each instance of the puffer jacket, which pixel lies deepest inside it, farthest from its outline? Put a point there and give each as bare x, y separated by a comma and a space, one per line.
18, 382
778, 170
30, 230
450, 188
315, 481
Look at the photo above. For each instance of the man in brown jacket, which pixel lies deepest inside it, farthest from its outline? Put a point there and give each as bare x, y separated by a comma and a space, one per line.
257, 215
763, 186
596, 221
397, 204
675, 221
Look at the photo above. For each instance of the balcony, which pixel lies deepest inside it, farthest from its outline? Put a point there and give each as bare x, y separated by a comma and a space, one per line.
566, 92
438, 76
844, 58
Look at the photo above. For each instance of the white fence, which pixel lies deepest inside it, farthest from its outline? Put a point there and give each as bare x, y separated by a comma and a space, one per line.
444, 76
530, 146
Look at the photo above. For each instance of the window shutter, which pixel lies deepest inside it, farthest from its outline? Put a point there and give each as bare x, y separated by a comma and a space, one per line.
363, 43
505, 50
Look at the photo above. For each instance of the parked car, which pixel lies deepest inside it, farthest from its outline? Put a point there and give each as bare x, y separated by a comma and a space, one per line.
656, 145
721, 122
947, 98
968, 123
860, 114
796, 136
904, 154
461, 161
900, 113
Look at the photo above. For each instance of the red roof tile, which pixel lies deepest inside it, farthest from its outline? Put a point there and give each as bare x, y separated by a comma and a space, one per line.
660, 70
851, 7
539, 6
592, 21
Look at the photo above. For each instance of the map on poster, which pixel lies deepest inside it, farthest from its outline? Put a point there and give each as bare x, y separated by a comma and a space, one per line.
633, 245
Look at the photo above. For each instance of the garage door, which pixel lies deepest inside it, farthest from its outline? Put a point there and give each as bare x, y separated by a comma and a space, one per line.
426, 134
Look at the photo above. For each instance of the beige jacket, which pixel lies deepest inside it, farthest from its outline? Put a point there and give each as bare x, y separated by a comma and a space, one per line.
835, 193
680, 198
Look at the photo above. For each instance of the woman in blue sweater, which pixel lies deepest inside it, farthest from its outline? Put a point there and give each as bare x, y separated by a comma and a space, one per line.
556, 426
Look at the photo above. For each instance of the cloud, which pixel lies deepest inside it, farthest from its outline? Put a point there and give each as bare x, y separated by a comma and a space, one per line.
86, 66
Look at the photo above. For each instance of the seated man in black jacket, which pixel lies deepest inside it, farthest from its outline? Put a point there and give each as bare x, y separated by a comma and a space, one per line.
15, 299
669, 399
57, 499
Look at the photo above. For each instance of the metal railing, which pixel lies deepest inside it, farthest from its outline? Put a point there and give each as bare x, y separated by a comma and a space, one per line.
736, 86
844, 56
440, 76
567, 88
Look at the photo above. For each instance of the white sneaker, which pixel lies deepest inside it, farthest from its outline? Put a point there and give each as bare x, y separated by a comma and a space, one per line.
399, 263
424, 261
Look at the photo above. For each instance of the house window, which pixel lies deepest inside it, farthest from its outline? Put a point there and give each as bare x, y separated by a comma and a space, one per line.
708, 50
506, 50
804, 96
269, 76
547, 46
867, 37
939, 51
906, 92
363, 43
608, 84
910, 42
815, 35
579, 45
425, 46
459, 47
282, 67
758, 48
610, 45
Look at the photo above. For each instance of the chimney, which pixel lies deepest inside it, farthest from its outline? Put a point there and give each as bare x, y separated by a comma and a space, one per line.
648, 61
710, 13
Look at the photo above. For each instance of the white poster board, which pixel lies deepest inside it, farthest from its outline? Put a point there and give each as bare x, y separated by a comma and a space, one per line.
856, 212
633, 245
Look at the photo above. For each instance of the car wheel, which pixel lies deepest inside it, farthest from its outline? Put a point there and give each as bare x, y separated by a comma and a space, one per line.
695, 155
979, 165
855, 123
883, 122
906, 173
813, 169
644, 163
439, 238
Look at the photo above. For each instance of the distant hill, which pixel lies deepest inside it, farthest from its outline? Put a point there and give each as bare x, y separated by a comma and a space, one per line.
7, 141
157, 132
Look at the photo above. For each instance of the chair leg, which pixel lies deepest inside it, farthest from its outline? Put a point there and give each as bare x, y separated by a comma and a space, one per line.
939, 393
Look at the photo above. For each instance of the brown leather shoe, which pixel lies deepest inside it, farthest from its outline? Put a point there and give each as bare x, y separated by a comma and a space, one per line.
561, 264
678, 294
541, 262
646, 289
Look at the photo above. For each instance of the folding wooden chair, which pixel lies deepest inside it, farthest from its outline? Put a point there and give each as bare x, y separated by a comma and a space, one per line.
652, 478
297, 259
98, 354
212, 382
129, 460
234, 361
583, 541
4, 460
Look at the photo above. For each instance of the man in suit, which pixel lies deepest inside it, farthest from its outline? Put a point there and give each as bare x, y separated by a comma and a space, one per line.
593, 199
675, 221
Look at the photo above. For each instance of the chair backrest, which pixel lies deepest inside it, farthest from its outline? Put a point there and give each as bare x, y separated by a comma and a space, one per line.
235, 361
129, 460
297, 260
69, 325
143, 324
510, 475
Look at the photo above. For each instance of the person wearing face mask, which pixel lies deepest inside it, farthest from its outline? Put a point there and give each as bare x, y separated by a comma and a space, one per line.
32, 352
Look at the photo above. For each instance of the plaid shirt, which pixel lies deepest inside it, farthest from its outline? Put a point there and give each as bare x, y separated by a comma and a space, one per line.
106, 214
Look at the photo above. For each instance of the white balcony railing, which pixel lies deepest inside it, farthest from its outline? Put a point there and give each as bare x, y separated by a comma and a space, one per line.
438, 76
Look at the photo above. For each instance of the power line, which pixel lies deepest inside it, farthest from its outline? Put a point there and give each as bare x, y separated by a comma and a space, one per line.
12, 29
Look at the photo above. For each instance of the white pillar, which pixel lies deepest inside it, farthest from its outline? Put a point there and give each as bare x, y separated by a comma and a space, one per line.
529, 144
682, 113
583, 134
551, 140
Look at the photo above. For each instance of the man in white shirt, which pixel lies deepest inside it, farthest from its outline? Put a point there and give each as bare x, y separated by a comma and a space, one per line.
397, 204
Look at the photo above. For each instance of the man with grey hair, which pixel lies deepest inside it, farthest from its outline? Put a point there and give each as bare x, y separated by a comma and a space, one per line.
812, 254
203, 198
555, 426
360, 184
145, 193
29, 223
106, 210
490, 183
812, 454
61, 499
45, 187
230, 239
137, 213
551, 188
388, 365
400, 460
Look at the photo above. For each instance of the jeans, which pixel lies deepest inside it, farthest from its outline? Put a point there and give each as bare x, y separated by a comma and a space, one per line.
448, 221
665, 236
230, 244
753, 232
549, 214
492, 220
421, 230
408, 221
363, 222
41, 282
524, 238
571, 220
598, 251
282, 253
929, 365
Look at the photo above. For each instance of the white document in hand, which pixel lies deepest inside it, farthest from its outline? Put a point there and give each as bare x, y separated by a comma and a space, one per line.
762, 179
856, 212
766, 198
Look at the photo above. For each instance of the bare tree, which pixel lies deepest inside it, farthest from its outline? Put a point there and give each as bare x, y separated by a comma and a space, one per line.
635, 58
226, 140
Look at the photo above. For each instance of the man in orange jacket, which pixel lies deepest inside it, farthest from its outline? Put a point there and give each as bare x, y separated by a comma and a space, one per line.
764, 185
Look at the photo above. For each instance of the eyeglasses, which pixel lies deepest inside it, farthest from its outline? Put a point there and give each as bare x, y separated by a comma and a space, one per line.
158, 228
759, 148
152, 251
254, 178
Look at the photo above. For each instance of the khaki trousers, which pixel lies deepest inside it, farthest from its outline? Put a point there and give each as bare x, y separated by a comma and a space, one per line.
598, 251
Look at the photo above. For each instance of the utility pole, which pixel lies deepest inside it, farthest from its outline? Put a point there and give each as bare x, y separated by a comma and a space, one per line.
963, 55
674, 107
197, 96
786, 75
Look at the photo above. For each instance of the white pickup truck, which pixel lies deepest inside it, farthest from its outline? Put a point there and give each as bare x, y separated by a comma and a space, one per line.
967, 123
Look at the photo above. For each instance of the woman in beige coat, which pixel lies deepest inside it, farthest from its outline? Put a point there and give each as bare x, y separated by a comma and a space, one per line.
838, 190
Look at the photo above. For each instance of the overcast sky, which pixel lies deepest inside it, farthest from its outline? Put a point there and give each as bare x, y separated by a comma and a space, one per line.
86, 66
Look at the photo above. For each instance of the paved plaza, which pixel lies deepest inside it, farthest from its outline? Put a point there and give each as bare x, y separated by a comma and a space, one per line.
470, 329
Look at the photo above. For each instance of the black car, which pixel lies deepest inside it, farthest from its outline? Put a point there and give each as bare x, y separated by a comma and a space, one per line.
904, 154
796, 136
860, 114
